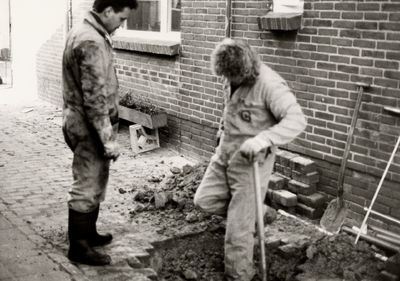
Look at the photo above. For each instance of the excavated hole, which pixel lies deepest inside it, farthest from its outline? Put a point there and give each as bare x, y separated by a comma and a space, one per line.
200, 256
308, 256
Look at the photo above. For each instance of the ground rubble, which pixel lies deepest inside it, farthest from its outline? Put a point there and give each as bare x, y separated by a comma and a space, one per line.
296, 249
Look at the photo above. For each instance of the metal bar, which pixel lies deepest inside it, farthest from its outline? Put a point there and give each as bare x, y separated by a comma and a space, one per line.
373, 240
389, 239
382, 215
383, 231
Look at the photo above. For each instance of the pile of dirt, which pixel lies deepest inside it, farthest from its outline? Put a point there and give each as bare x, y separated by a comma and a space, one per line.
172, 197
337, 256
296, 250
201, 257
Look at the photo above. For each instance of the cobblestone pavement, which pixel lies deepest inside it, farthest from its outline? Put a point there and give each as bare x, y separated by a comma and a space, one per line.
35, 172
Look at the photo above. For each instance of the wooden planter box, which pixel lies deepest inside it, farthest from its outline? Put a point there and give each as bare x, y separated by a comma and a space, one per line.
149, 121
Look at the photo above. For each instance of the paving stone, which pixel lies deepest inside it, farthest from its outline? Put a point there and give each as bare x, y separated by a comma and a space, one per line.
48, 276
22, 266
36, 172
4, 223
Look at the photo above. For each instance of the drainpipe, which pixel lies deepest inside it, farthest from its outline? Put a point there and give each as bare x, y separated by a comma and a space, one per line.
67, 19
228, 18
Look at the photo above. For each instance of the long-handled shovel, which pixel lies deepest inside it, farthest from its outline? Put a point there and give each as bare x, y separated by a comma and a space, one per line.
335, 213
260, 220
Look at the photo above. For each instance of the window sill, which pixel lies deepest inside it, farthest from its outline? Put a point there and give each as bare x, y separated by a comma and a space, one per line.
147, 45
281, 21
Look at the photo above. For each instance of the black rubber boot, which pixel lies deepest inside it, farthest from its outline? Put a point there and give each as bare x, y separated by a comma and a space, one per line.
79, 233
96, 239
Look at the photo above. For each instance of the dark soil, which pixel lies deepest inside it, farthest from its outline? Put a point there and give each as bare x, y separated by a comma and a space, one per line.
296, 249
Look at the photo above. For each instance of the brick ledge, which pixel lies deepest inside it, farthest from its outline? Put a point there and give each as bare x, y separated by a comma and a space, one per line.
145, 45
281, 21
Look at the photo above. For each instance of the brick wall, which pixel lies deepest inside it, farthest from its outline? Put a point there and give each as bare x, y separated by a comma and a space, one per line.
48, 69
340, 43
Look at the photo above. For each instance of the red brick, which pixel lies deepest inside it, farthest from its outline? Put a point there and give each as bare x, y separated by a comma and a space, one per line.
283, 157
285, 178
284, 170
305, 178
284, 197
302, 165
289, 210
309, 212
315, 200
301, 188
276, 182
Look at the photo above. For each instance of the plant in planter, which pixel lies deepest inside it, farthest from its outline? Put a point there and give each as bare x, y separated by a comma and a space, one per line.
138, 109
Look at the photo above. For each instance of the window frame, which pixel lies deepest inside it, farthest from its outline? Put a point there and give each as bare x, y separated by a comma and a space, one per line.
163, 34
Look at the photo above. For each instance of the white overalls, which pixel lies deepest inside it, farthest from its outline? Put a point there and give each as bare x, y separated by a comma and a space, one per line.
268, 111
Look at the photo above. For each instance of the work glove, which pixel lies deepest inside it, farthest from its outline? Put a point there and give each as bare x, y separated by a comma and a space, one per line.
251, 148
111, 150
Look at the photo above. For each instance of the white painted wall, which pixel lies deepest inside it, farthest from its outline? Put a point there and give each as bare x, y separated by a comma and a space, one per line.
33, 23
4, 24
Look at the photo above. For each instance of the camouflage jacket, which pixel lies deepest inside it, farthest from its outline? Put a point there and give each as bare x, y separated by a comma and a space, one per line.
90, 86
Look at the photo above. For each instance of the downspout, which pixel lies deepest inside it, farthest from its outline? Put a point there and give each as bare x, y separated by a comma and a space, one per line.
228, 18
67, 19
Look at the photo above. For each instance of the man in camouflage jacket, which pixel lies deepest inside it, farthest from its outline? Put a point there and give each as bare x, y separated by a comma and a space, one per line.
90, 122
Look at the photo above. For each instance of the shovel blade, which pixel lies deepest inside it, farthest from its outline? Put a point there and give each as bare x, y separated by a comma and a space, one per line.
334, 216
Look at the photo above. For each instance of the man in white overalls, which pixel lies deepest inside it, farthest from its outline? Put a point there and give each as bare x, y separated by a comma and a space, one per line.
260, 114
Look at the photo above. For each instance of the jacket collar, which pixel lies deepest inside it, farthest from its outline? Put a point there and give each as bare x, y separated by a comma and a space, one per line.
94, 20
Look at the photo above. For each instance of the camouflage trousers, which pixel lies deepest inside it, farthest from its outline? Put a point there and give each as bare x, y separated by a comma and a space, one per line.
90, 172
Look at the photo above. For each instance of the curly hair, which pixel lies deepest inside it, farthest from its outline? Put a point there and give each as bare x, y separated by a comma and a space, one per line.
235, 60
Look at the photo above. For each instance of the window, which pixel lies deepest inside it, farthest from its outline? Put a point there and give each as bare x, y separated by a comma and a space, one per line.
288, 6
159, 19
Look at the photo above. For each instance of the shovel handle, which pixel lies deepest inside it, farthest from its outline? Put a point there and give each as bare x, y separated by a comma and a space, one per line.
260, 220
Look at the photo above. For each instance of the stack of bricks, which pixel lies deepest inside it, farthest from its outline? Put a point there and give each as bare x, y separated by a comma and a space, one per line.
292, 186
